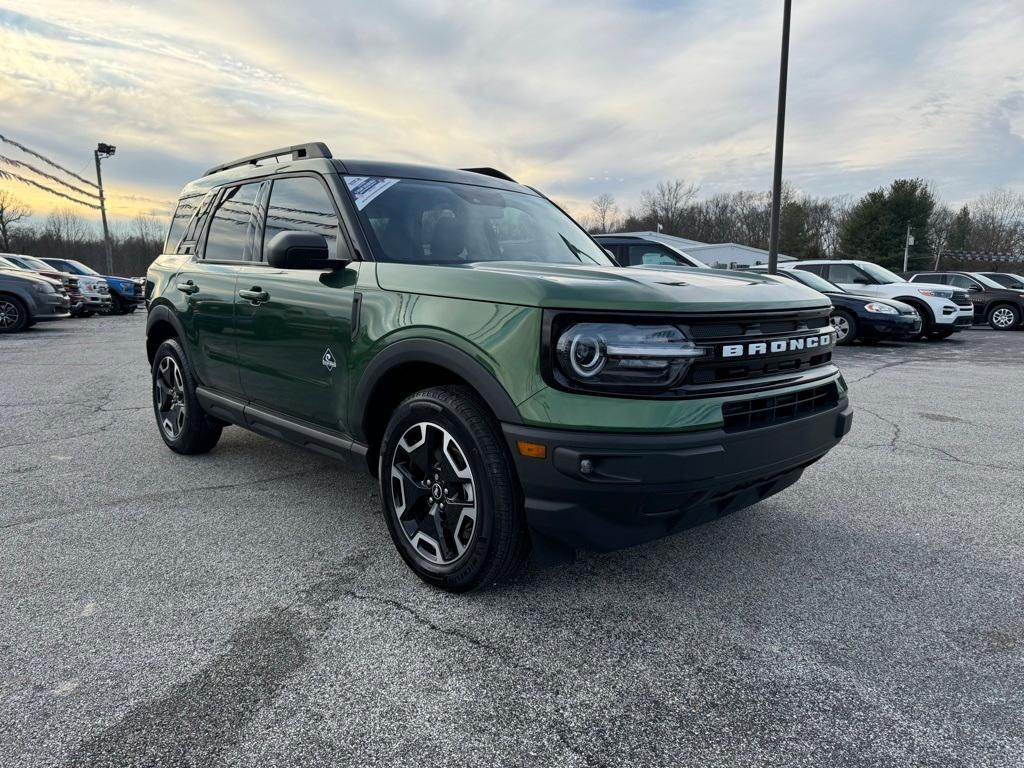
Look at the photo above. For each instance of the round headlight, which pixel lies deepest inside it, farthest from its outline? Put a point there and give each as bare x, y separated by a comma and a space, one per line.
586, 354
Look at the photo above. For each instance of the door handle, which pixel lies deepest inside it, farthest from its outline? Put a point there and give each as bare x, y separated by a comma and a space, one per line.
255, 295
188, 287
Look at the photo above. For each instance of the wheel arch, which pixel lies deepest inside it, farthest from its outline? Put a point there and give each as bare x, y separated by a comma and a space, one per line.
919, 305
161, 324
25, 302
408, 366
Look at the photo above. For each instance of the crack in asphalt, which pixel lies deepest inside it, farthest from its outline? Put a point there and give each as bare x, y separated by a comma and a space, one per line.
879, 369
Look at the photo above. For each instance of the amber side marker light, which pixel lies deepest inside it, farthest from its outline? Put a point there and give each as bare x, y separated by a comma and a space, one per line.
532, 450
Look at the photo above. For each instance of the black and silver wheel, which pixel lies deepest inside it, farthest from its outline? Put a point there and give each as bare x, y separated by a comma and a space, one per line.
1004, 317
845, 326
13, 315
183, 424
449, 490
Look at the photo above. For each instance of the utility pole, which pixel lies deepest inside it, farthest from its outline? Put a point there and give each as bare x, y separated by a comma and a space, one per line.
906, 249
104, 151
780, 130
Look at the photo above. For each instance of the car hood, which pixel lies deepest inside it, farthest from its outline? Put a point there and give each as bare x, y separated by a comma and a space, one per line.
24, 274
913, 284
571, 286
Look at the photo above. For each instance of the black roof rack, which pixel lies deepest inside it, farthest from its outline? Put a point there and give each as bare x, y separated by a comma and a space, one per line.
491, 172
297, 151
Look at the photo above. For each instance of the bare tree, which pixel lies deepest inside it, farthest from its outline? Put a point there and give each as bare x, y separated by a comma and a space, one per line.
12, 211
940, 224
667, 204
997, 222
605, 212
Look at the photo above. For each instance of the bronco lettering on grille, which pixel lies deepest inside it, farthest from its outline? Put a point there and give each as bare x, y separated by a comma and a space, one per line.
777, 346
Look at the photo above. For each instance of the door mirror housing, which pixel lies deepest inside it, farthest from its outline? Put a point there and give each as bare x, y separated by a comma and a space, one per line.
974, 288
294, 249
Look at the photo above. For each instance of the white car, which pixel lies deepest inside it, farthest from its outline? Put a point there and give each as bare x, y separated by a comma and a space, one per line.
944, 310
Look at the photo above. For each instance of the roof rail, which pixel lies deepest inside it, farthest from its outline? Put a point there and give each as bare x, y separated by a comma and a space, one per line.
491, 172
297, 151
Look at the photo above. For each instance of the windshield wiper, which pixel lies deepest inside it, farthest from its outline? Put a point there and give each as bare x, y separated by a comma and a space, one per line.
579, 253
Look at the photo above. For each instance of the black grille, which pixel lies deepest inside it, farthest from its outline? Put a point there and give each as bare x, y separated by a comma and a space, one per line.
751, 328
766, 411
961, 299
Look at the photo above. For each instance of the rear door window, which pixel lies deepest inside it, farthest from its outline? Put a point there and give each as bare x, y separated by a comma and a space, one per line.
231, 229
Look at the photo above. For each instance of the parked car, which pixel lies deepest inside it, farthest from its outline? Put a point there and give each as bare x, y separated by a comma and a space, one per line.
859, 318
125, 292
462, 338
27, 298
1001, 307
88, 294
634, 249
944, 310
1006, 279
70, 283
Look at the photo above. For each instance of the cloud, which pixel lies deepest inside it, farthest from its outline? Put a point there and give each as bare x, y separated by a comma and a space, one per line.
576, 98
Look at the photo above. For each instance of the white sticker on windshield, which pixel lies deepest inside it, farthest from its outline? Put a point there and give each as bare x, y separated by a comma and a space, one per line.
366, 188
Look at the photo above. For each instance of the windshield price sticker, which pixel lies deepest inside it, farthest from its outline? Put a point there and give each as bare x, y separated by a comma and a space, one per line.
365, 188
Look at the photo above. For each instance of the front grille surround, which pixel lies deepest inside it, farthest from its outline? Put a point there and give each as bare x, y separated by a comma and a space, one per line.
711, 377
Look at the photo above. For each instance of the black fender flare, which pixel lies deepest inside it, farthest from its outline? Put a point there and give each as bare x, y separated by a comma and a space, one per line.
164, 313
435, 353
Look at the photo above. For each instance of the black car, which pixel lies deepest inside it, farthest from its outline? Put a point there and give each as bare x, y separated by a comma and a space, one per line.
1006, 279
860, 318
1001, 307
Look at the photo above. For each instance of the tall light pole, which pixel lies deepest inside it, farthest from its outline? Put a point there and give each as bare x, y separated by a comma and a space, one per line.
104, 151
780, 130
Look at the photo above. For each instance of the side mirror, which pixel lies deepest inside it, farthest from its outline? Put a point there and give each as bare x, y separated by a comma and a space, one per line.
299, 250
974, 288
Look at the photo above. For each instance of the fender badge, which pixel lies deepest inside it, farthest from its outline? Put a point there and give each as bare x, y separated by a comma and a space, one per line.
328, 361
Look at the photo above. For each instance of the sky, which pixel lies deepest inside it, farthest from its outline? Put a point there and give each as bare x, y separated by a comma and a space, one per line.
576, 98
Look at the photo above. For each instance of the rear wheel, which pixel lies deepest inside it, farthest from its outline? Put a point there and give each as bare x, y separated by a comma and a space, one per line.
13, 315
845, 325
183, 424
1003, 317
450, 494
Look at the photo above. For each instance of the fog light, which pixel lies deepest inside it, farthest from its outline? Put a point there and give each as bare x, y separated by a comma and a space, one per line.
586, 466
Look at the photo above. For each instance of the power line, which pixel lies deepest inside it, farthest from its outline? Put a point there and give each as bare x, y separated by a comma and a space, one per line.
46, 160
29, 166
51, 190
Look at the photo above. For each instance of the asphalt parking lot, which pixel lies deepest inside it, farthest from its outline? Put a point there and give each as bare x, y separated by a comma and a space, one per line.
247, 608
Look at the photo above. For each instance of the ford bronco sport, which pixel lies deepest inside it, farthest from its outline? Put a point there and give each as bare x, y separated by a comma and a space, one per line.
462, 338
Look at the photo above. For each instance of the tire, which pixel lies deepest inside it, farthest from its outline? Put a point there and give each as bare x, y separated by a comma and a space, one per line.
451, 497
846, 327
86, 313
183, 424
1003, 317
116, 305
13, 314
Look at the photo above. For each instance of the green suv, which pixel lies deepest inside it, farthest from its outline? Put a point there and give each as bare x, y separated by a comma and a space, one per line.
462, 338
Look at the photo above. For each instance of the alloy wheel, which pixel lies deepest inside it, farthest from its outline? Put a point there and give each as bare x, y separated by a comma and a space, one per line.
10, 315
1003, 317
842, 326
434, 493
170, 397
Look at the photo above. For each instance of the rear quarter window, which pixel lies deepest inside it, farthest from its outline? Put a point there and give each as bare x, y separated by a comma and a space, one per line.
187, 206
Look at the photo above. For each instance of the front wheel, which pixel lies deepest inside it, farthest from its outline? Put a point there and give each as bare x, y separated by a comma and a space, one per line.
451, 497
845, 326
184, 426
1004, 317
13, 315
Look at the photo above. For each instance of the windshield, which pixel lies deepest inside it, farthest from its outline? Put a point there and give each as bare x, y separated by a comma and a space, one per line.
432, 222
812, 280
881, 274
8, 264
988, 282
81, 269
33, 263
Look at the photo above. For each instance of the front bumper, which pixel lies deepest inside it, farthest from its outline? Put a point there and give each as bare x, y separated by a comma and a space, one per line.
889, 327
641, 487
51, 307
93, 301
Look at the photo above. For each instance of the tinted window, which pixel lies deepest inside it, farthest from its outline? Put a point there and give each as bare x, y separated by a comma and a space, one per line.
301, 203
846, 273
182, 216
433, 222
648, 253
814, 269
230, 236
960, 281
195, 226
